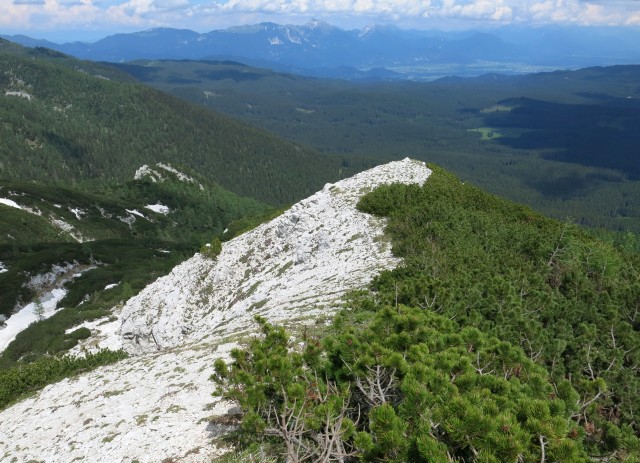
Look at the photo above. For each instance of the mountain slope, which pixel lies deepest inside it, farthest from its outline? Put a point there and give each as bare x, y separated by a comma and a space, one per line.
503, 332
318, 48
98, 171
64, 123
157, 405
161, 208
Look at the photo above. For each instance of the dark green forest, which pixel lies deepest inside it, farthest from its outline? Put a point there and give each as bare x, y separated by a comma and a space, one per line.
563, 142
505, 336
64, 123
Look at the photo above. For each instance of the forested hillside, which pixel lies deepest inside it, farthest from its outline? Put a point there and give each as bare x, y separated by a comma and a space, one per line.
505, 336
562, 142
120, 182
66, 121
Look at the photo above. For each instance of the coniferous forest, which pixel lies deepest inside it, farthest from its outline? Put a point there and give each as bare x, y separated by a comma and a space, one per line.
562, 142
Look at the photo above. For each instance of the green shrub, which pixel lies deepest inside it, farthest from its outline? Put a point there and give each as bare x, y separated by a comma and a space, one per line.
26, 378
212, 249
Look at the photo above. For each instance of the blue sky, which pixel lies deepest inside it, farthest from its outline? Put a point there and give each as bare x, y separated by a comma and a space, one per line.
63, 20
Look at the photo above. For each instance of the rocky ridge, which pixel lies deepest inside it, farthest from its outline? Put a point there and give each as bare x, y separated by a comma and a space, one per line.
157, 405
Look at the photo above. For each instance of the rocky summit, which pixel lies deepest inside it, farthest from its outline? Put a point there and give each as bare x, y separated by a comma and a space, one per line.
157, 405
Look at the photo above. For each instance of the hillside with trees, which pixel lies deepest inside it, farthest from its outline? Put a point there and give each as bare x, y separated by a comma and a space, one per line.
562, 142
504, 336
74, 137
65, 121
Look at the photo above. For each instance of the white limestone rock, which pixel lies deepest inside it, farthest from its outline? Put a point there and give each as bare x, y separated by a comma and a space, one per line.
157, 406
297, 266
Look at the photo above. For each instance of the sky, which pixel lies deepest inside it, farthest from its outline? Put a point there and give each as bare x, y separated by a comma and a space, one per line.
88, 20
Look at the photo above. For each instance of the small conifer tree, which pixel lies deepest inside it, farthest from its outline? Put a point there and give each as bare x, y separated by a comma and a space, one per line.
39, 309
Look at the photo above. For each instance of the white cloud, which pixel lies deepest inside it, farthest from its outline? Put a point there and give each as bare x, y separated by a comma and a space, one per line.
116, 15
493, 10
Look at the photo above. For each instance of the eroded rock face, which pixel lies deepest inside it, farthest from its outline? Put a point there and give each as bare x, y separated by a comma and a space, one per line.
157, 405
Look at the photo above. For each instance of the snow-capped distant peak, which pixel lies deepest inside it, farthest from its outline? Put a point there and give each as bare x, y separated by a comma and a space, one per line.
316, 24
313, 23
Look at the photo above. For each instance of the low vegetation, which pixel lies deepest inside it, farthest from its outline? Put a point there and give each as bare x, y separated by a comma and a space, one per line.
505, 336
17, 382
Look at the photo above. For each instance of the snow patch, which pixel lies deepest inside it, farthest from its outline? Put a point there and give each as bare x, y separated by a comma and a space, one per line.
135, 212
159, 208
50, 288
10, 203
293, 39
3, 268
112, 285
34, 211
56, 276
27, 315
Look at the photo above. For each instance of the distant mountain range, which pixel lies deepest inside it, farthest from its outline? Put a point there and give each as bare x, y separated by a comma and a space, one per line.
376, 52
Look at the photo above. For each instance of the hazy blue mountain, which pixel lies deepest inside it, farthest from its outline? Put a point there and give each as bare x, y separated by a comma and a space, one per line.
574, 45
322, 50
